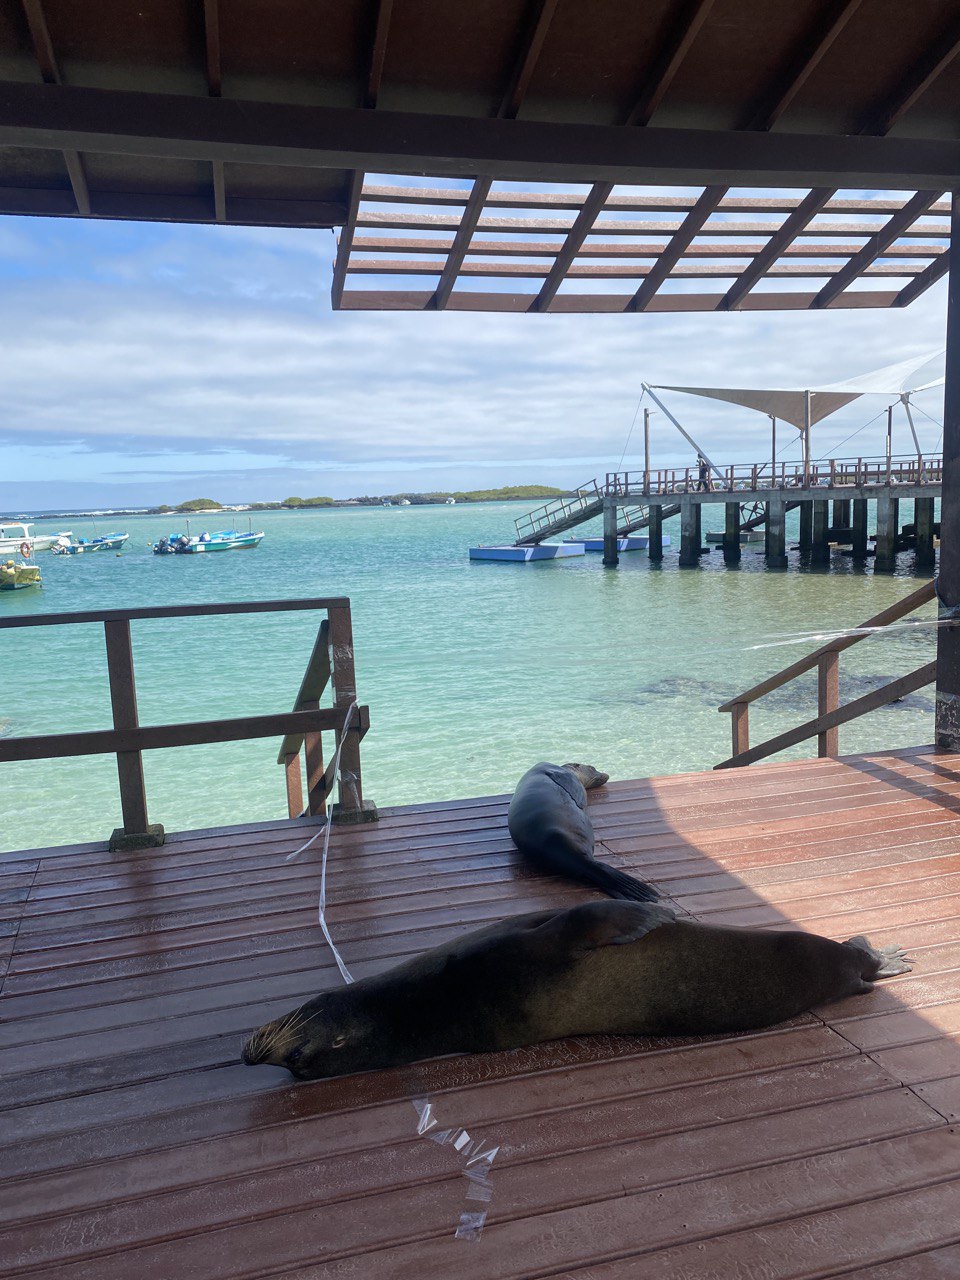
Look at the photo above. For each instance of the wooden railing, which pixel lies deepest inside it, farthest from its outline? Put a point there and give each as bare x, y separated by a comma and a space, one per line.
830, 715
331, 663
834, 473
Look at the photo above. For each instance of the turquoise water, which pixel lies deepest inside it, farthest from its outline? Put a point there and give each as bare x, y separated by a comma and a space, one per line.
472, 671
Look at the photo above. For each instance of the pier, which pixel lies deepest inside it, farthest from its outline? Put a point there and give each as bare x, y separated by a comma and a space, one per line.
833, 498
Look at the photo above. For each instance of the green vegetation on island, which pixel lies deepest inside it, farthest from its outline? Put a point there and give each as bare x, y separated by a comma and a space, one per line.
200, 504
507, 493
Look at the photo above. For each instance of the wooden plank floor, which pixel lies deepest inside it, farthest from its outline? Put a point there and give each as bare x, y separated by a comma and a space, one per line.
135, 1144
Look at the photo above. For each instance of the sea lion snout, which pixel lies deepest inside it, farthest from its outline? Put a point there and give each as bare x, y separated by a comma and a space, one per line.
590, 777
312, 1042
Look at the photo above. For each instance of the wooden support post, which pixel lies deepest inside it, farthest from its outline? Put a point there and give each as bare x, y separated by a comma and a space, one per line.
828, 699
740, 721
313, 752
731, 533
611, 550
923, 520
859, 528
351, 806
294, 781
775, 541
820, 547
806, 526
655, 530
886, 559
948, 638
136, 832
689, 533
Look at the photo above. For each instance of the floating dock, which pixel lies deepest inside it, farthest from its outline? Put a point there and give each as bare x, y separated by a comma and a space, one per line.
539, 551
632, 542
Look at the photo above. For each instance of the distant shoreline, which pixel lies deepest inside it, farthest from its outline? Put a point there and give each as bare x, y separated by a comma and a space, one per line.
338, 504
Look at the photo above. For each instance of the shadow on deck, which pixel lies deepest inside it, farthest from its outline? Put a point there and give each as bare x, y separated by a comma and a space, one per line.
135, 1144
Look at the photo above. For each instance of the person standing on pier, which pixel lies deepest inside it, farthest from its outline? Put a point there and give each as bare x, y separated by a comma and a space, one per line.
704, 483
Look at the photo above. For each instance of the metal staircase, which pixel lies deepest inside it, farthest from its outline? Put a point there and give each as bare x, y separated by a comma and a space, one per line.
560, 514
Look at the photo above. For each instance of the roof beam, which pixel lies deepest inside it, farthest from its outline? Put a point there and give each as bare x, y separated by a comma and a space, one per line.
603, 303
779, 244
909, 89
630, 249
211, 39
509, 106
875, 247
175, 127
674, 47
378, 55
50, 72
912, 85
930, 275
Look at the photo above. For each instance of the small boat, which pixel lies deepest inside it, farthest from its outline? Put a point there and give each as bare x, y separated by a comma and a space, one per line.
108, 542
224, 540
15, 574
14, 537
450, 502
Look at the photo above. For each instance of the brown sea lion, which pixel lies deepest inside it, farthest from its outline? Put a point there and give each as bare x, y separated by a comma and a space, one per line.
549, 825
623, 968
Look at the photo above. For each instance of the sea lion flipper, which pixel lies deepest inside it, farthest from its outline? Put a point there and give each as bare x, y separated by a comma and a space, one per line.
601, 924
569, 783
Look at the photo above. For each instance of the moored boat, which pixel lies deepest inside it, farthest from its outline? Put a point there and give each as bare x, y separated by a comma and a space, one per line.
108, 542
15, 574
16, 535
223, 540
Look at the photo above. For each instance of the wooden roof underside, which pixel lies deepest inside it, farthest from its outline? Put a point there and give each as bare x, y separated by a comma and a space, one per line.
247, 113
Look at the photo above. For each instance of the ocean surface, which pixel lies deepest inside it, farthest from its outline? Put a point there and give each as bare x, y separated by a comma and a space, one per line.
472, 671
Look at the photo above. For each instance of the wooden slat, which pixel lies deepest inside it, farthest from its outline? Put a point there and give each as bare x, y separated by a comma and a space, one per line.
136, 1143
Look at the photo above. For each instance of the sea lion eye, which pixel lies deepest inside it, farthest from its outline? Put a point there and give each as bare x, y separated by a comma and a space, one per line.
339, 1041
294, 1056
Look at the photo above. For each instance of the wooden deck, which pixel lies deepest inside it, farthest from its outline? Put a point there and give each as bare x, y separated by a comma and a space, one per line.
135, 1144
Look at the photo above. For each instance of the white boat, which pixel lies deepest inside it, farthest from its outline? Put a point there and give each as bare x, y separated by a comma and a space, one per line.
14, 536
106, 542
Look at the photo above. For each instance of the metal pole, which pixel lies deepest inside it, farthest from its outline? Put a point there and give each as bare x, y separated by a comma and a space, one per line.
889, 441
948, 582
905, 401
773, 449
806, 439
686, 435
646, 450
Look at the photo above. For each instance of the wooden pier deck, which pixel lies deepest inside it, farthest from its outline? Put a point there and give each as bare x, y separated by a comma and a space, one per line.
137, 1145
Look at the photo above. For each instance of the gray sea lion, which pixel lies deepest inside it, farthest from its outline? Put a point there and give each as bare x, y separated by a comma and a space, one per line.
623, 968
549, 825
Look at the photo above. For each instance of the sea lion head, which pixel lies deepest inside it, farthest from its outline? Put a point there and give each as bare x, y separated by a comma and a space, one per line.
327, 1036
588, 775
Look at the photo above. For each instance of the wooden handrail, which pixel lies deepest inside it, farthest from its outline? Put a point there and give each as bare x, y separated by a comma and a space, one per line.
830, 715
923, 595
331, 661
832, 721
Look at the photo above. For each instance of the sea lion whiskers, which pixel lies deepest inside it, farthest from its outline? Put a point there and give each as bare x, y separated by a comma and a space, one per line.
262, 1044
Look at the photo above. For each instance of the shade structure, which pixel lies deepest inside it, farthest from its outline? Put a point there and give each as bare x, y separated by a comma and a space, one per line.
788, 403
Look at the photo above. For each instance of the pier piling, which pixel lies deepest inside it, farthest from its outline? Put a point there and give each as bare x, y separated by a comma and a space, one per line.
611, 550
689, 533
923, 518
887, 514
655, 532
731, 533
820, 546
859, 530
806, 527
776, 538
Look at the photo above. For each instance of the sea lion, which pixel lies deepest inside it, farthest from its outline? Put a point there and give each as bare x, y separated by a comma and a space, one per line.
623, 968
549, 825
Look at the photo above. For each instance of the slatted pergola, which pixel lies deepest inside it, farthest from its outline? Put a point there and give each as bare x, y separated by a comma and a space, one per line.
868, 251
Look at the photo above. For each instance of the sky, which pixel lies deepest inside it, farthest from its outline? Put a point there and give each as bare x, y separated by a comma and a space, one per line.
148, 363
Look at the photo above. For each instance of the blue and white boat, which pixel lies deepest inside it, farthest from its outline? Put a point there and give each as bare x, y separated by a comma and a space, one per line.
192, 544
108, 542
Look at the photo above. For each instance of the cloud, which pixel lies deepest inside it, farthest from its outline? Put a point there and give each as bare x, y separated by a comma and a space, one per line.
162, 346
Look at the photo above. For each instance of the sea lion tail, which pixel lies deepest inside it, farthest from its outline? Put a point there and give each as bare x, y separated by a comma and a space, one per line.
617, 884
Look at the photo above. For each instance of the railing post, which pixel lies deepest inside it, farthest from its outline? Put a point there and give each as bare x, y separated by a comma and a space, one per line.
828, 699
740, 723
351, 806
136, 832
313, 752
294, 781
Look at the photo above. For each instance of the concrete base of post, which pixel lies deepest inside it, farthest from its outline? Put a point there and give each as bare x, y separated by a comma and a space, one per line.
354, 817
689, 534
123, 842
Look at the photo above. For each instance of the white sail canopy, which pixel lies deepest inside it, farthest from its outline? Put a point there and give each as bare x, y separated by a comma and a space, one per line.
787, 403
